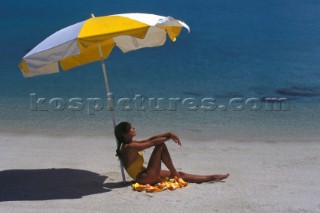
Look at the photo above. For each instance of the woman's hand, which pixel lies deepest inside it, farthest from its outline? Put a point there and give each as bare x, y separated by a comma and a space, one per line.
175, 138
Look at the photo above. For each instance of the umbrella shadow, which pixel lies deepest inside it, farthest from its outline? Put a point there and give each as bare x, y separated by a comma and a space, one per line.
51, 184
116, 185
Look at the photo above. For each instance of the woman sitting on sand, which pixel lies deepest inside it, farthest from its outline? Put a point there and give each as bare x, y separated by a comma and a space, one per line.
129, 152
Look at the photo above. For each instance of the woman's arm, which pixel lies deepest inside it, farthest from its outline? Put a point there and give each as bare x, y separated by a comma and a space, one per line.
153, 141
168, 135
145, 144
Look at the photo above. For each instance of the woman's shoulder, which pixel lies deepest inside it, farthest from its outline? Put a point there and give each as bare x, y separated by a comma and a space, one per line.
133, 142
129, 146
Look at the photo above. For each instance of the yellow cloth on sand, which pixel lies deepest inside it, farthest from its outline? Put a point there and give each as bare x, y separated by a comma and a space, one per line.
164, 184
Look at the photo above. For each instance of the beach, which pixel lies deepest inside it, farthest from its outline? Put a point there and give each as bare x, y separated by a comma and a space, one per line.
81, 174
241, 90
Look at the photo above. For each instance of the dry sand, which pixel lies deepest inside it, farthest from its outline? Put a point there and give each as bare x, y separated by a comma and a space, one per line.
81, 174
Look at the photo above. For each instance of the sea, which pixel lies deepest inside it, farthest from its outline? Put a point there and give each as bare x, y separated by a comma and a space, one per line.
247, 71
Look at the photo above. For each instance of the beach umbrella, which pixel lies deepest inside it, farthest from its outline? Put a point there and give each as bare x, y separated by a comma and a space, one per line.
93, 40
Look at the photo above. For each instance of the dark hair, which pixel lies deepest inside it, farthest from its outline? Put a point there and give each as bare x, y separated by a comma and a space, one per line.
119, 131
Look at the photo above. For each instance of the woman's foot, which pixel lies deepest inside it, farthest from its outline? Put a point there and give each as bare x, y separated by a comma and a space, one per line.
174, 174
220, 177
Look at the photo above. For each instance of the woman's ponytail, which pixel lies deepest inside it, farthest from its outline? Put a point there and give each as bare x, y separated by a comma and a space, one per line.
119, 131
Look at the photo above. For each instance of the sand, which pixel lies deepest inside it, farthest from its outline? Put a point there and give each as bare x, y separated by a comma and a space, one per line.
81, 174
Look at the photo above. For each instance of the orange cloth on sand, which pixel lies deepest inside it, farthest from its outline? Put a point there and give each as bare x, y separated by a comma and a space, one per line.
164, 184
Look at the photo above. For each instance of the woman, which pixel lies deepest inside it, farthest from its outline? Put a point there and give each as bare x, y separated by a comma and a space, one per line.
129, 152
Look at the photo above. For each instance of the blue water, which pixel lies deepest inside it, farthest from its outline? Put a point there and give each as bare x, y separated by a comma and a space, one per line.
247, 49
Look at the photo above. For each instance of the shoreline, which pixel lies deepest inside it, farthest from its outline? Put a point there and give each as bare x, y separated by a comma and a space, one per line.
299, 124
110, 137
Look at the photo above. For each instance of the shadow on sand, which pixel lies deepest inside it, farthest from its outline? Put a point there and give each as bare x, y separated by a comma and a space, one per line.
51, 184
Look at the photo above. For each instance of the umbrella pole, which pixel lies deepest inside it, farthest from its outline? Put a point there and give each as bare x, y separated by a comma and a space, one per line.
110, 103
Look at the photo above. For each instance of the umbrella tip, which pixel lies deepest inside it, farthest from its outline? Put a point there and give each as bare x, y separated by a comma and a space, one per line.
92, 15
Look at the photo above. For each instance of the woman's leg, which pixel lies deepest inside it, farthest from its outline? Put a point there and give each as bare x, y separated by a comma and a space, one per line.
166, 159
160, 154
196, 178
